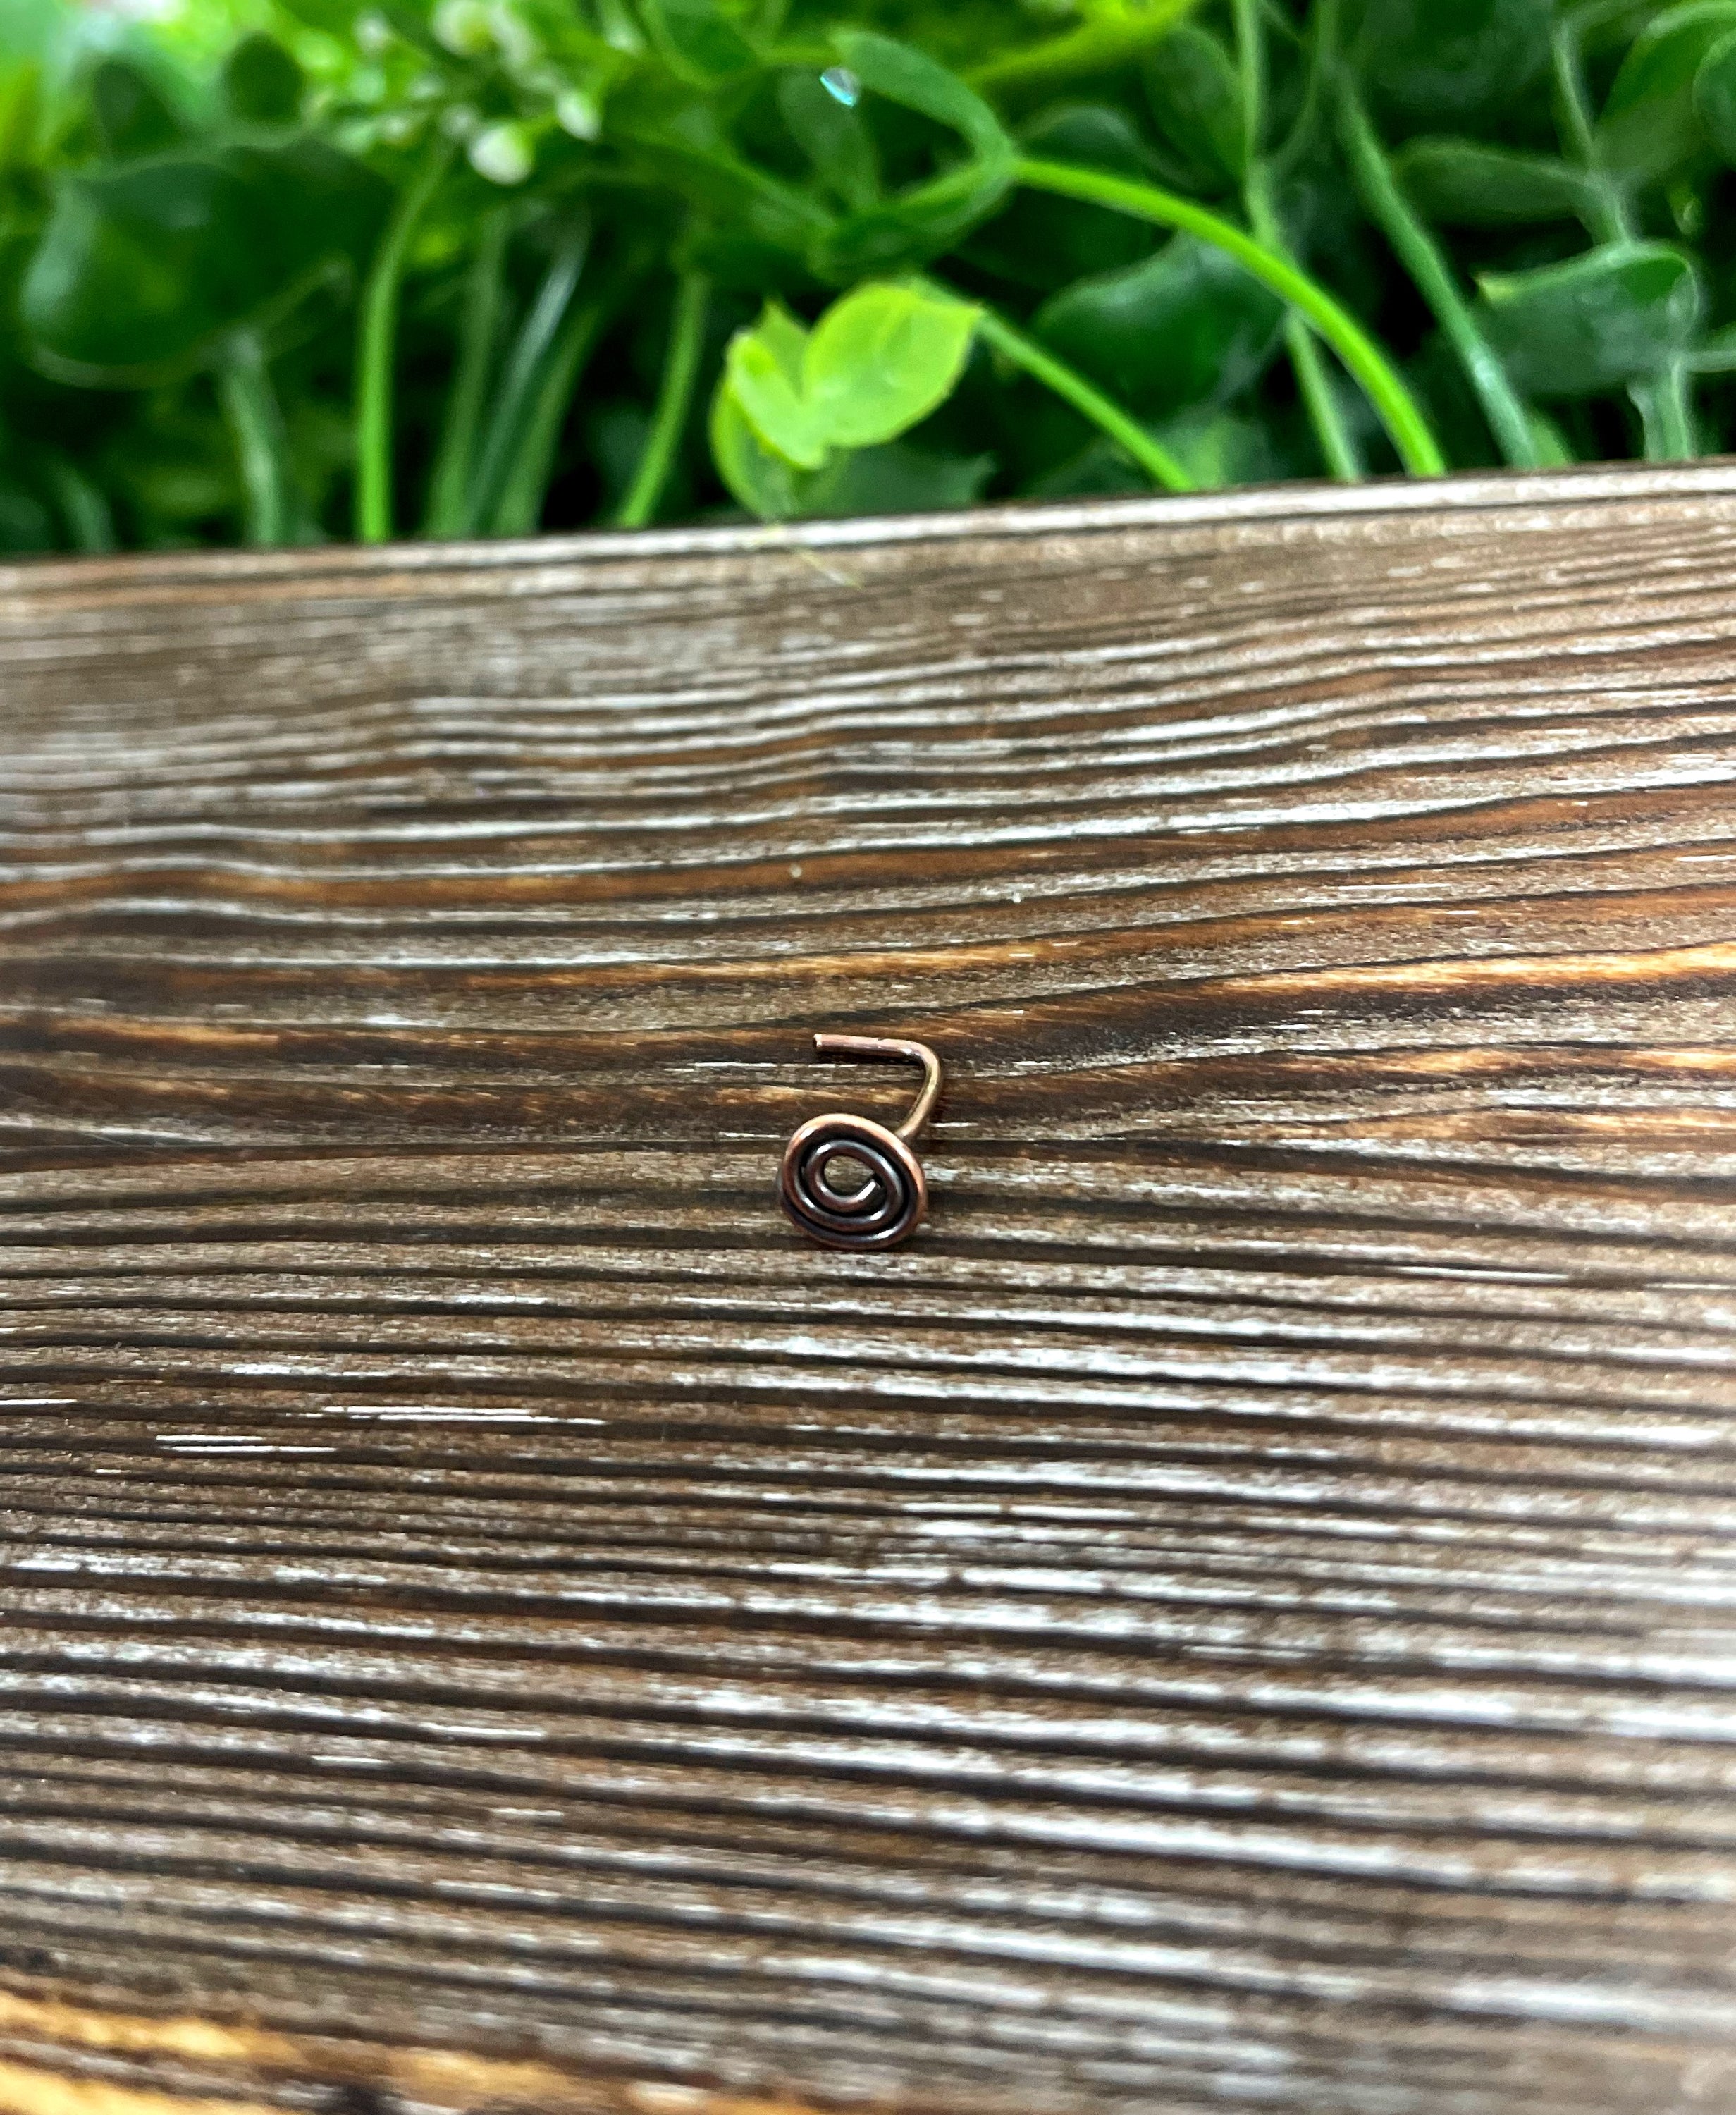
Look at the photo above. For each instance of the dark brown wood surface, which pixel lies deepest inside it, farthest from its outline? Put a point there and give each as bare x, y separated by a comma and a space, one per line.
1241, 1614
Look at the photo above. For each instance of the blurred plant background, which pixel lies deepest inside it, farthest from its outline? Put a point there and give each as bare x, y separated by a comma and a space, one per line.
280, 271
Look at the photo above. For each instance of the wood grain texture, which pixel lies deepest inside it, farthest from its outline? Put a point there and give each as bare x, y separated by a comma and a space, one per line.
1240, 1613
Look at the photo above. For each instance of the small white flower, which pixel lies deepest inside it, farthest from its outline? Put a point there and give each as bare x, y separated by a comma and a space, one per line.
466, 27
577, 112
502, 153
373, 34
519, 47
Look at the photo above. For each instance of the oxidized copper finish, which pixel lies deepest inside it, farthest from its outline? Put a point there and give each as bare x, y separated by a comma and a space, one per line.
888, 1205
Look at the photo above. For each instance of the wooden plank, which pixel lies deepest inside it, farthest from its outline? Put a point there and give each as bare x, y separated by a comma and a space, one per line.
1239, 1613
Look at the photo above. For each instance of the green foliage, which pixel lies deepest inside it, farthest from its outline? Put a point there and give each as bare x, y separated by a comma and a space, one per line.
1650, 127
261, 83
1196, 101
1462, 183
146, 267
291, 269
879, 361
1187, 326
882, 358
130, 114
1715, 98
765, 373
1462, 61
1617, 314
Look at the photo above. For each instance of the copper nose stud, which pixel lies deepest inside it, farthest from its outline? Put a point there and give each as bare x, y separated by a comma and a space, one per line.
887, 1206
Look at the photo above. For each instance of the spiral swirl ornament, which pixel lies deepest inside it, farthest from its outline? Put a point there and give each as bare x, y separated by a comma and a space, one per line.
877, 1212
848, 1183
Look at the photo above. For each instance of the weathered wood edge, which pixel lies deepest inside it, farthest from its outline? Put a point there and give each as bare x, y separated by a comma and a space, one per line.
1614, 485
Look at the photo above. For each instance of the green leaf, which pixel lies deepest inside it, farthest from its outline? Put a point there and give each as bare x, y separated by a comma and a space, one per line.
333, 18
1605, 29
685, 153
879, 360
1715, 98
551, 338
142, 269
1187, 326
1038, 239
699, 38
1612, 316
1190, 81
764, 370
905, 76
764, 483
925, 219
1099, 469
1216, 448
21, 113
1219, 448
309, 203
261, 83
896, 478
1650, 125
25, 524
131, 116
1462, 183
1435, 62
1715, 352
1553, 451
1100, 134
883, 358
834, 139
909, 231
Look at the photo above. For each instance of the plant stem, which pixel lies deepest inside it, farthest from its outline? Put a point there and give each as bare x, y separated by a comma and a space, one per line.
1313, 381
518, 510
255, 422
517, 403
1420, 254
1398, 410
84, 506
1665, 402
1715, 354
375, 347
484, 300
1667, 414
1103, 412
1611, 220
1338, 449
1101, 47
673, 403
1250, 46
1320, 43
1343, 458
